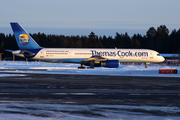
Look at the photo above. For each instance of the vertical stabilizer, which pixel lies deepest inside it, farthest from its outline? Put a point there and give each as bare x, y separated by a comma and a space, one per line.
23, 39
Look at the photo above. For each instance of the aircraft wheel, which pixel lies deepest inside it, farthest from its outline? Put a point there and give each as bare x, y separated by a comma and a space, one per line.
81, 67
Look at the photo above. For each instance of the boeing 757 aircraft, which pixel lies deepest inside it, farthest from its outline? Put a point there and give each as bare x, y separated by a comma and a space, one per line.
93, 57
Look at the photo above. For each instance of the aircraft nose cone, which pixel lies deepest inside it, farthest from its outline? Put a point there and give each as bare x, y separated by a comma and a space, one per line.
162, 58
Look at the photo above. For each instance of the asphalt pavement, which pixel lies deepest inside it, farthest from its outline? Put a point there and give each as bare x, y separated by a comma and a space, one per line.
91, 89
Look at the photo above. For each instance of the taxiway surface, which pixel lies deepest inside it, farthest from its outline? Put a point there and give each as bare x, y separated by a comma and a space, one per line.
91, 89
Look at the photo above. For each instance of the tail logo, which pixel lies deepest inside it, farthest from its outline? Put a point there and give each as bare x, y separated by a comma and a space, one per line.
23, 39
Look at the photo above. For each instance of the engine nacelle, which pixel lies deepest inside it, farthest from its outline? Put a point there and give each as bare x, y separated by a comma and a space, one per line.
106, 63
110, 63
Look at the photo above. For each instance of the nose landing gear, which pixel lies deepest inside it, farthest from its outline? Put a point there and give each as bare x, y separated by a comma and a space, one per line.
146, 65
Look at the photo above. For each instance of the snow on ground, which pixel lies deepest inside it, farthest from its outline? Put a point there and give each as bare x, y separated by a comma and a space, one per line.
67, 68
17, 110
85, 112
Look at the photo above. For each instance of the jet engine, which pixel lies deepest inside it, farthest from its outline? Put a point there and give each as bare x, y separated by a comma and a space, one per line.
110, 63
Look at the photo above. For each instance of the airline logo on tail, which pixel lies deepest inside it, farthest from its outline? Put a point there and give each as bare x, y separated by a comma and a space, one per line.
23, 39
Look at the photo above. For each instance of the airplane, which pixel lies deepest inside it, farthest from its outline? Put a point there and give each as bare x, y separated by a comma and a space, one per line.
92, 57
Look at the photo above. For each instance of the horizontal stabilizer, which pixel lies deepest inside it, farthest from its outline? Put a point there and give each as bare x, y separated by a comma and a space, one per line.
24, 52
10, 51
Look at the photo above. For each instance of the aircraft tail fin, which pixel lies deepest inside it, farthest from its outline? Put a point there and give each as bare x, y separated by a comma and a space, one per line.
23, 39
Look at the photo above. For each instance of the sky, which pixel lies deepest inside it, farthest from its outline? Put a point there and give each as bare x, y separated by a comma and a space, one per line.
78, 16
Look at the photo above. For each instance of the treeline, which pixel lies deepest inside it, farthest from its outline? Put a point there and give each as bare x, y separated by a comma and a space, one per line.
156, 39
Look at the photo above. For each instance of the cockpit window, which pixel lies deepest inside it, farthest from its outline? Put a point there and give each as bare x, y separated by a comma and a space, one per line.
158, 54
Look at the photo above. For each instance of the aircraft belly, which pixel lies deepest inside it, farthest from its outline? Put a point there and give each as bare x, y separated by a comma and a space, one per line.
134, 60
64, 60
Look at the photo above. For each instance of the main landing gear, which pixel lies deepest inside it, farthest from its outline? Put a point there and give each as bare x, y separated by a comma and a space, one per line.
91, 65
81, 67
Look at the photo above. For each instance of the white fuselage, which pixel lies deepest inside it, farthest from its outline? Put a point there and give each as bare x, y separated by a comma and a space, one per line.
90, 56
71, 55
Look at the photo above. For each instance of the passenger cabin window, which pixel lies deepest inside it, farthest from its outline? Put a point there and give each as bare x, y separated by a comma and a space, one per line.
82, 53
58, 53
